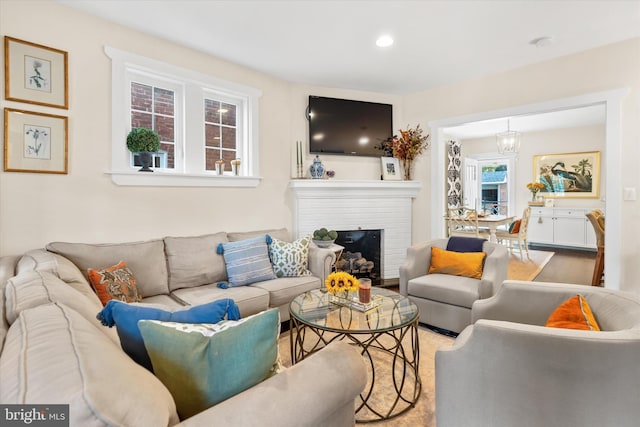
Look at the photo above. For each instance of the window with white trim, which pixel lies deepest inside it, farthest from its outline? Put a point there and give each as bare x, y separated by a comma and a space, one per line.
201, 121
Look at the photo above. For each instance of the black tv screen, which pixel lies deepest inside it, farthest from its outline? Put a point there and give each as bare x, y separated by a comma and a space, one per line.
342, 126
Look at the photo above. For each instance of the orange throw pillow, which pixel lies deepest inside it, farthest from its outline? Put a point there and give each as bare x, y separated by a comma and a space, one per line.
467, 264
115, 282
574, 313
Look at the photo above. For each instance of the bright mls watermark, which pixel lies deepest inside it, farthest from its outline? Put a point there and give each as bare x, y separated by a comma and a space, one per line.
34, 415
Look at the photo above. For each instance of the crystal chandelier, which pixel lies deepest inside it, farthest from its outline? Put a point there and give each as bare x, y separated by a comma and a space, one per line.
509, 141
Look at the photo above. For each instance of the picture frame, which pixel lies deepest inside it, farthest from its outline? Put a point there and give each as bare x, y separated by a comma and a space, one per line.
568, 175
390, 169
35, 142
35, 74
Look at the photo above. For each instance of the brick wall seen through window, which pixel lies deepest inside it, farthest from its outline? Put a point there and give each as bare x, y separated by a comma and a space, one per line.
153, 108
220, 133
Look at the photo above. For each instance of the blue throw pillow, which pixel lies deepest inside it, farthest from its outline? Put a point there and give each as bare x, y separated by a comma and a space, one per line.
247, 261
465, 244
125, 317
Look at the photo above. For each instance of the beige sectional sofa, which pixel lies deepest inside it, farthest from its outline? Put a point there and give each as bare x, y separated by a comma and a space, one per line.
53, 349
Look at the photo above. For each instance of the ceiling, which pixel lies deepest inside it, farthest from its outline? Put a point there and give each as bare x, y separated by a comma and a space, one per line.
332, 43
575, 117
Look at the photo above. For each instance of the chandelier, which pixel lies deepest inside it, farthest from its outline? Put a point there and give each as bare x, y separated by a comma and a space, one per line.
509, 141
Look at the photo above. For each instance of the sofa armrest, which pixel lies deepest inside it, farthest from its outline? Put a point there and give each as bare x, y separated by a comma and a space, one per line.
8, 265
416, 264
318, 391
525, 302
507, 374
495, 269
321, 261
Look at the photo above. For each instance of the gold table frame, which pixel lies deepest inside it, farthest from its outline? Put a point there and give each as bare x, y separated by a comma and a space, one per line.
386, 333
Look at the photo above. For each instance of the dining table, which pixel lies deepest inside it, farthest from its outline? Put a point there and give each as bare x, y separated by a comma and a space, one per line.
492, 222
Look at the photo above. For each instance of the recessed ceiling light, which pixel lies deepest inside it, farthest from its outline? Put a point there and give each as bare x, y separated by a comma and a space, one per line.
384, 41
542, 41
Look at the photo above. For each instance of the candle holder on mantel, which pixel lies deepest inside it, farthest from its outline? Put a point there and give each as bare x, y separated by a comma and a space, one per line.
299, 162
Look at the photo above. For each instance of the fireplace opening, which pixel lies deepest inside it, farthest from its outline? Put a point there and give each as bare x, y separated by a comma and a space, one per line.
361, 255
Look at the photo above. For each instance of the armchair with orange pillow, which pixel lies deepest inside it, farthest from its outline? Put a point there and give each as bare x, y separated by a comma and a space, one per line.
444, 277
544, 354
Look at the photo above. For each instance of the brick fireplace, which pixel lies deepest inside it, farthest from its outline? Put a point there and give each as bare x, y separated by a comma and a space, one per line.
359, 205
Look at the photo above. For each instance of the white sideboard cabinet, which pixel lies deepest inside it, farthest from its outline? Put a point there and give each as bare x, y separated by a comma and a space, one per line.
561, 227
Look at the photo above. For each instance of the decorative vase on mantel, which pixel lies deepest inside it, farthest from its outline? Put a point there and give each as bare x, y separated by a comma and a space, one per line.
316, 169
407, 168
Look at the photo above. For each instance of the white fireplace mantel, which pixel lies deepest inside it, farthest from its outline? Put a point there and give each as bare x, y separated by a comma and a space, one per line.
359, 205
314, 188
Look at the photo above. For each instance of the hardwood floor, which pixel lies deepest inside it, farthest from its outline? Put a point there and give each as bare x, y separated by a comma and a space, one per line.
568, 266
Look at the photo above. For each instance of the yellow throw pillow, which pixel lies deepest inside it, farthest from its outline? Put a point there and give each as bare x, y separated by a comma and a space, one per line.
467, 264
574, 313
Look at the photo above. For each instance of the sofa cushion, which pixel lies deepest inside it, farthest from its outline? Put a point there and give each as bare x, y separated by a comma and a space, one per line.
125, 317
282, 291
225, 358
194, 261
114, 282
290, 259
33, 288
452, 290
468, 264
278, 233
247, 261
573, 313
54, 355
145, 259
249, 299
67, 271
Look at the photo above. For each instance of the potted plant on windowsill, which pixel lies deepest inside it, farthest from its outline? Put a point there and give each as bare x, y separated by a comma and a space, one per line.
144, 142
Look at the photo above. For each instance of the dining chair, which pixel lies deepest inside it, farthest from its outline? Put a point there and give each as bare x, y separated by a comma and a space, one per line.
596, 218
520, 237
463, 222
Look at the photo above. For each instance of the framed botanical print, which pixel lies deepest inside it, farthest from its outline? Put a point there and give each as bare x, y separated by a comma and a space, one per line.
390, 168
35, 142
35, 74
571, 175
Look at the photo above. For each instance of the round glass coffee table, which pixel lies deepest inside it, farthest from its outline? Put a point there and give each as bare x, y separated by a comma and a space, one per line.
387, 335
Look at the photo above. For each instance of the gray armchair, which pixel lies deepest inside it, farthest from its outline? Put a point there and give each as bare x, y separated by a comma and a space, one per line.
508, 369
444, 300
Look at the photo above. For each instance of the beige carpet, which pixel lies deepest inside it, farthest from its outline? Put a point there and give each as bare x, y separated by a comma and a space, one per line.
423, 414
527, 269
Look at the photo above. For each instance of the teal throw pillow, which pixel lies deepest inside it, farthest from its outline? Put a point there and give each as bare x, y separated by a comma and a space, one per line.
204, 364
247, 261
290, 259
125, 318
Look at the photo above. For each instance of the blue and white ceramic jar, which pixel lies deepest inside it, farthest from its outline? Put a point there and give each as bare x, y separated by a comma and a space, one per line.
316, 169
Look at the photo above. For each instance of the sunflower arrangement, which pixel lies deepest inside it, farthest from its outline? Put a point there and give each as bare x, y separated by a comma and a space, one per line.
534, 187
340, 282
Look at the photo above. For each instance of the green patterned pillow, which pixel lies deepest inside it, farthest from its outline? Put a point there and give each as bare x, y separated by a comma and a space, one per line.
290, 259
221, 360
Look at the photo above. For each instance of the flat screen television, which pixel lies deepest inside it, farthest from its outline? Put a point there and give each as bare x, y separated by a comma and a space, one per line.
346, 127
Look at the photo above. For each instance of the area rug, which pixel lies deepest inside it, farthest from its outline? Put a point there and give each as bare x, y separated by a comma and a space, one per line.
423, 414
527, 269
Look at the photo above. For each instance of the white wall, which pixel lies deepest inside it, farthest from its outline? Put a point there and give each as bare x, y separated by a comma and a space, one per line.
602, 69
572, 140
85, 206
